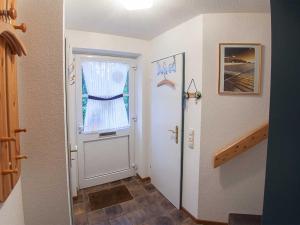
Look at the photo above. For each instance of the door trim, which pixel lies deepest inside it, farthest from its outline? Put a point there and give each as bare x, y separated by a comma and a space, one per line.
182, 126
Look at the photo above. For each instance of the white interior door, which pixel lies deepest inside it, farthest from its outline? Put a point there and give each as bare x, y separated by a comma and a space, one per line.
166, 128
105, 112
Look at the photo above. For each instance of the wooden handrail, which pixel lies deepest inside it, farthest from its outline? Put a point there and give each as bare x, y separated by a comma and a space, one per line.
241, 145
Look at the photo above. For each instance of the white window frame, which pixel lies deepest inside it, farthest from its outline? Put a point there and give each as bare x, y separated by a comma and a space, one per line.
79, 58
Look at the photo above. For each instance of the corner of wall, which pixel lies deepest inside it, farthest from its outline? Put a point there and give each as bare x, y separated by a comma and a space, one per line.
44, 179
141, 148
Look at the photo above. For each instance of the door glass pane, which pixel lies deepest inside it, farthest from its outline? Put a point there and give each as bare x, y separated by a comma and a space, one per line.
105, 96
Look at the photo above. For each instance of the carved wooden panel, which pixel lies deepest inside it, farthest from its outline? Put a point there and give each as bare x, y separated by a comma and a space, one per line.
5, 179
10, 153
12, 111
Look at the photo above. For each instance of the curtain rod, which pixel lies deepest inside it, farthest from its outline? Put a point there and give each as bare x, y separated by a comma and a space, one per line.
167, 57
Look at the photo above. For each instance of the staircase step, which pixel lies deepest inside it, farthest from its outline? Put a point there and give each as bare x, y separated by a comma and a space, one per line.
244, 219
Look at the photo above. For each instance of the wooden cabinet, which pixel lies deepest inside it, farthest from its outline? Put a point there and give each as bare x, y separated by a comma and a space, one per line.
10, 153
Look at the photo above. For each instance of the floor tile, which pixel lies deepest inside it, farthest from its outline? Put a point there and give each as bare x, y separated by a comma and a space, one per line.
133, 184
179, 216
166, 205
148, 207
189, 221
137, 217
121, 220
81, 219
149, 187
113, 211
97, 217
158, 197
145, 200
163, 220
153, 210
105, 222
130, 206
137, 192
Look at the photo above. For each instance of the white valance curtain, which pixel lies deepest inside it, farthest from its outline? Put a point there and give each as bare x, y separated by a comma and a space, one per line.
105, 80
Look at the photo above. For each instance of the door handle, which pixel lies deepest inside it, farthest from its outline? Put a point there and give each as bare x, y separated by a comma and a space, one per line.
80, 129
176, 131
172, 131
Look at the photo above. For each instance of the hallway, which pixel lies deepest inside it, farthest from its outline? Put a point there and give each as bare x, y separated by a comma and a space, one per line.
147, 207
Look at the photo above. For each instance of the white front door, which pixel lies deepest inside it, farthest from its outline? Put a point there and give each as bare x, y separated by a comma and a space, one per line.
166, 128
105, 112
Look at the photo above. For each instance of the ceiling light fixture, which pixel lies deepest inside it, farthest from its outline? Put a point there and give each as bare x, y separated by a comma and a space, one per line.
137, 4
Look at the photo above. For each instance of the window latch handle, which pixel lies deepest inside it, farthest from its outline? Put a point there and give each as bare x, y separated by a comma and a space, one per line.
80, 129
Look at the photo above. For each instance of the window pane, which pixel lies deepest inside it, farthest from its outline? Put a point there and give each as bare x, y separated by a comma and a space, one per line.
105, 100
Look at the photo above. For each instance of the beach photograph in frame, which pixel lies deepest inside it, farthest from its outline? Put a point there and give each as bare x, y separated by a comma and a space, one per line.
240, 69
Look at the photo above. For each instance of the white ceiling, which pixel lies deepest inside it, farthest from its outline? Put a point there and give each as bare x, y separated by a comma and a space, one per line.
109, 16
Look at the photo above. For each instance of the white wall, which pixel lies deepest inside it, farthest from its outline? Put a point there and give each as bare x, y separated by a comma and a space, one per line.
238, 185
11, 211
44, 177
125, 46
187, 38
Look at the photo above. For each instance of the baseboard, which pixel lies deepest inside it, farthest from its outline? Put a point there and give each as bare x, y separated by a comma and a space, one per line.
145, 179
203, 222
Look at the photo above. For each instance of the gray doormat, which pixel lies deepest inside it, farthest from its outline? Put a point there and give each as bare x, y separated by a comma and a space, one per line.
109, 197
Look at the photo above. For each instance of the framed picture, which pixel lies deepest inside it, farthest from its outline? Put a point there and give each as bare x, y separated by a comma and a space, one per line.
240, 69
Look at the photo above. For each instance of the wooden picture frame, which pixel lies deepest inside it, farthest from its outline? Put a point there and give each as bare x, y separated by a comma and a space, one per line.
240, 70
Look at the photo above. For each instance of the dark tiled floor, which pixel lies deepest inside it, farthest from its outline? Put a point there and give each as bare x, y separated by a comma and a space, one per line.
148, 207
